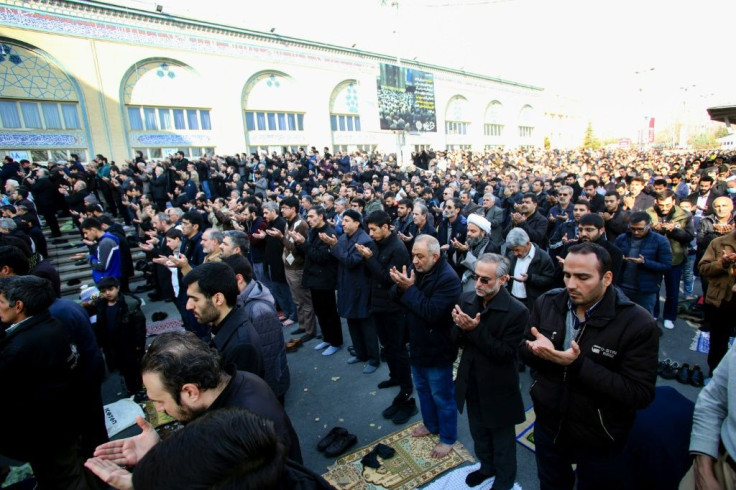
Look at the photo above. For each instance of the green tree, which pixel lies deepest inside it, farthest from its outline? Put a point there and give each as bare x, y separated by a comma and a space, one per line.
721, 132
703, 141
590, 141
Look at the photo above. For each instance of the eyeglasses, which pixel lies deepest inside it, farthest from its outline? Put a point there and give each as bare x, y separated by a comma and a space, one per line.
483, 280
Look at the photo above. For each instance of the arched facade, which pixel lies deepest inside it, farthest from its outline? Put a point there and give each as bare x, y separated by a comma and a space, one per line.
274, 113
458, 127
345, 123
42, 114
526, 125
165, 109
494, 122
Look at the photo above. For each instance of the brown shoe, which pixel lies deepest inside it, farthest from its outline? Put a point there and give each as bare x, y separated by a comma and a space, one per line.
293, 345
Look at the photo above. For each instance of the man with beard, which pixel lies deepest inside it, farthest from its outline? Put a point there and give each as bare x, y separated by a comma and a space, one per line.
212, 295
670, 221
186, 379
703, 199
595, 356
495, 216
388, 316
403, 216
530, 220
591, 229
489, 325
453, 228
478, 243
615, 216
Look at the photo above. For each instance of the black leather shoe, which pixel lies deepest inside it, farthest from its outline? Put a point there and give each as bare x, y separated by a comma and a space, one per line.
388, 383
298, 331
341, 444
697, 378
684, 374
330, 438
406, 411
669, 371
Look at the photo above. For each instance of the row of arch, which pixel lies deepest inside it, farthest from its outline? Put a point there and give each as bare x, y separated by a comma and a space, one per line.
27, 73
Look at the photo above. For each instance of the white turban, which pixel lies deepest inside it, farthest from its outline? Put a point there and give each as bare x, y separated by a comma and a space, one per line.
480, 222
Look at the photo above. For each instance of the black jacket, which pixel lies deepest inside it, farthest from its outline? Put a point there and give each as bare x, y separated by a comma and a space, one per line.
124, 342
245, 390
541, 275
592, 403
535, 226
429, 303
488, 373
273, 264
320, 266
39, 366
391, 253
238, 343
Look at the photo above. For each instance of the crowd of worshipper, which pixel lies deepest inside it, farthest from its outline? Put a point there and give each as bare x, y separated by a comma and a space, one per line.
548, 260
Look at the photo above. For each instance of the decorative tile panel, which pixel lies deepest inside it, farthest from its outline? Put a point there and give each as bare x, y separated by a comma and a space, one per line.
172, 139
42, 140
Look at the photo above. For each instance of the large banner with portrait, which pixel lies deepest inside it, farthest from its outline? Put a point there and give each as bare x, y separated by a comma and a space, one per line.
406, 99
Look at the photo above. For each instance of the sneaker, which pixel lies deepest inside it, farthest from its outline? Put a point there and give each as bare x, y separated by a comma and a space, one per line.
369, 369
353, 360
288, 322
331, 350
321, 345
406, 410
669, 324
684, 374
697, 378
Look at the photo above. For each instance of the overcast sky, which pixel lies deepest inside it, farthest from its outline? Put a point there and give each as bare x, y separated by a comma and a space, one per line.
588, 50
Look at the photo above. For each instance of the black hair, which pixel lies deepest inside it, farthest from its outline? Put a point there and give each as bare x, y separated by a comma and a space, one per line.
640, 216
613, 193
592, 219
319, 209
290, 202
583, 202
590, 182
229, 448
240, 265
174, 233
530, 195
90, 223
406, 202
589, 248
665, 194
378, 218
194, 218
35, 293
360, 202
213, 278
15, 259
180, 358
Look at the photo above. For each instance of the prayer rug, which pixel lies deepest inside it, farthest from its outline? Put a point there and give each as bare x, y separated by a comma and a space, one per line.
410, 467
157, 328
525, 430
455, 480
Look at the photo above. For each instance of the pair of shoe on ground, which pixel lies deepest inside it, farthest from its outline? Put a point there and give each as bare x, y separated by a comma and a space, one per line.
336, 442
367, 369
684, 374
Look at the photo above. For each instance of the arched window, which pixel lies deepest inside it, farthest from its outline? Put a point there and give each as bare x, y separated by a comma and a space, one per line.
274, 113
166, 110
345, 123
526, 123
42, 115
457, 117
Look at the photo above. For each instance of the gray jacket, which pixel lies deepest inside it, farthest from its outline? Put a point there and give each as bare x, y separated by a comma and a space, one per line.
258, 303
714, 419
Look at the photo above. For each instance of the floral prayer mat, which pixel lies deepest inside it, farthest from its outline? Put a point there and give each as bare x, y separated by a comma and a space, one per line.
525, 430
410, 467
